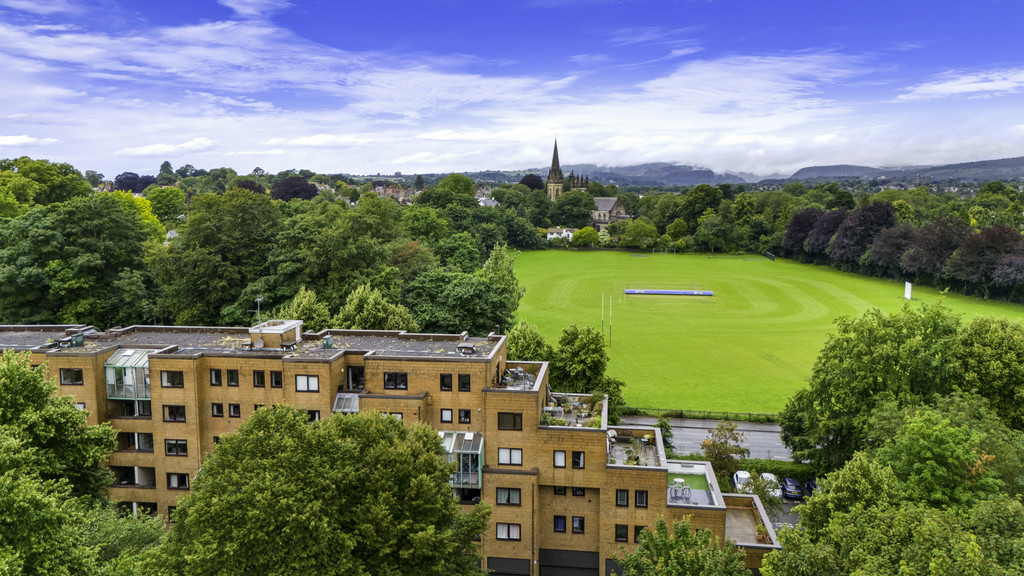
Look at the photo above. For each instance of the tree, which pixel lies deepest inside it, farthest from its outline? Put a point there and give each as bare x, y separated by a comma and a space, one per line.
132, 182
640, 234
976, 259
293, 187
585, 237
353, 494
168, 203
825, 227
934, 244
580, 361
697, 202
711, 231
532, 181
889, 246
525, 342
724, 448
858, 229
306, 307
419, 184
367, 309
574, 209
58, 182
683, 553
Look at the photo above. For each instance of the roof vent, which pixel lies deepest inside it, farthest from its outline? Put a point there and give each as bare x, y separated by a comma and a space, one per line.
466, 349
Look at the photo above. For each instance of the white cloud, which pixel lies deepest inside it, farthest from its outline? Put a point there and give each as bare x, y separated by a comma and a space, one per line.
39, 6
319, 140
24, 139
193, 145
977, 84
253, 8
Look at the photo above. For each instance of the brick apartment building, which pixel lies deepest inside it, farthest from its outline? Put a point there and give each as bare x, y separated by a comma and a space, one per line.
568, 491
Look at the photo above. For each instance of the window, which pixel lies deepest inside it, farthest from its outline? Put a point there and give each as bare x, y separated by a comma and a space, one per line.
559, 490
463, 382
577, 491
276, 379
636, 532
446, 382
170, 513
641, 499
218, 410
622, 532
559, 458
306, 383
577, 524
464, 416
508, 531
511, 456
234, 410
174, 413
577, 459
216, 439
172, 379
396, 415
396, 381
256, 407
622, 497
510, 421
177, 481
176, 447
80, 405
232, 377
259, 379
508, 496
71, 377
216, 377
559, 523
446, 414
314, 415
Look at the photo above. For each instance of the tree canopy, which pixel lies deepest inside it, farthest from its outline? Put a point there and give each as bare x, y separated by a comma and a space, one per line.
684, 552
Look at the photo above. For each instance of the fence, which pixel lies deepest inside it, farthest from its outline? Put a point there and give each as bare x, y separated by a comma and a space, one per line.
701, 414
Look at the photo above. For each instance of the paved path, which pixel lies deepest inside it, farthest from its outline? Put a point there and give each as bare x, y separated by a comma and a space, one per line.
763, 440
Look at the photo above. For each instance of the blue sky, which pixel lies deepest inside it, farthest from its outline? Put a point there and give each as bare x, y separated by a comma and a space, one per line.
451, 85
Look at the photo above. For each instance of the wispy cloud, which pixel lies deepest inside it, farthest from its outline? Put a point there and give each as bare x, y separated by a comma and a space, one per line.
23, 140
647, 35
254, 8
971, 84
319, 140
39, 6
193, 145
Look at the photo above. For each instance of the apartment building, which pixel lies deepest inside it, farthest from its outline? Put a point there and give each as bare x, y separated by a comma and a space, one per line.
568, 490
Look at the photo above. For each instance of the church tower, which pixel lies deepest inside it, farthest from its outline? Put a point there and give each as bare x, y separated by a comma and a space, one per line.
555, 177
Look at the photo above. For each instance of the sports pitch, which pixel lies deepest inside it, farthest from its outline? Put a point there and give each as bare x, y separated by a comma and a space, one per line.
748, 348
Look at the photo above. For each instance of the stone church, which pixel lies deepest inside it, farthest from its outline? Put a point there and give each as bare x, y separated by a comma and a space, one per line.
558, 183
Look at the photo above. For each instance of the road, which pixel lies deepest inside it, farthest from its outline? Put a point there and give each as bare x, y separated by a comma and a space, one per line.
763, 440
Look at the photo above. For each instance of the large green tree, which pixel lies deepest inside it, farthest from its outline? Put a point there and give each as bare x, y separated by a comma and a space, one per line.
367, 309
684, 552
353, 494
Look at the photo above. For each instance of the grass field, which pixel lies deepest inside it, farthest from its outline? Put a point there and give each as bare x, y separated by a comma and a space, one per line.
748, 348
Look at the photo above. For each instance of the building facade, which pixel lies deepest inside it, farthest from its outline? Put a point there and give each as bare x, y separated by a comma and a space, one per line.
568, 491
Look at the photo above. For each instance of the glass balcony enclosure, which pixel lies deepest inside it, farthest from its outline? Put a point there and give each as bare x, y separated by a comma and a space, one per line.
128, 375
466, 450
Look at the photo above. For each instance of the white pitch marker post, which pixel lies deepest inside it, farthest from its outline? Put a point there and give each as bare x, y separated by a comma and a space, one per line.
906, 290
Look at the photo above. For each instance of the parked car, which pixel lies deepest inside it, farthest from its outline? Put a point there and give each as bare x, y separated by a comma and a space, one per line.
791, 489
772, 481
810, 487
739, 479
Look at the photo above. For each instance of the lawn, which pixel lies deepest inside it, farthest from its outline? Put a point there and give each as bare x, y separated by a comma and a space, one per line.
748, 348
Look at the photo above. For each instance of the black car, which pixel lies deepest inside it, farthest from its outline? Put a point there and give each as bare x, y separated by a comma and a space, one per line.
810, 487
791, 489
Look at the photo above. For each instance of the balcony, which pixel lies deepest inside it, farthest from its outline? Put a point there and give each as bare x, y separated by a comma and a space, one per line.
575, 410
690, 484
134, 477
127, 374
465, 450
632, 448
134, 442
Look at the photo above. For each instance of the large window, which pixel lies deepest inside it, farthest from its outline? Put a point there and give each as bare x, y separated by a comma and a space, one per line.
71, 377
259, 379
577, 459
559, 458
559, 523
218, 409
177, 481
511, 456
463, 382
234, 410
637, 530
560, 491
307, 383
216, 377
176, 447
622, 497
276, 379
508, 496
508, 531
577, 524
172, 379
446, 415
579, 491
510, 421
641, 499
446, 382
174, 413
396, 381
232, 377
464, 416
622, 532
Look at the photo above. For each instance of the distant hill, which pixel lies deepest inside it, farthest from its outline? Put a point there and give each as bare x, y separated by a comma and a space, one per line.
835, 171
652, 174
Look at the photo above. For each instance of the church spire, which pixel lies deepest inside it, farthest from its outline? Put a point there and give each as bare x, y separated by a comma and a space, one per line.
555, 173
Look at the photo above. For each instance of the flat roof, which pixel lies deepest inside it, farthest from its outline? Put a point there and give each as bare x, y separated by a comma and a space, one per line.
22, 337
